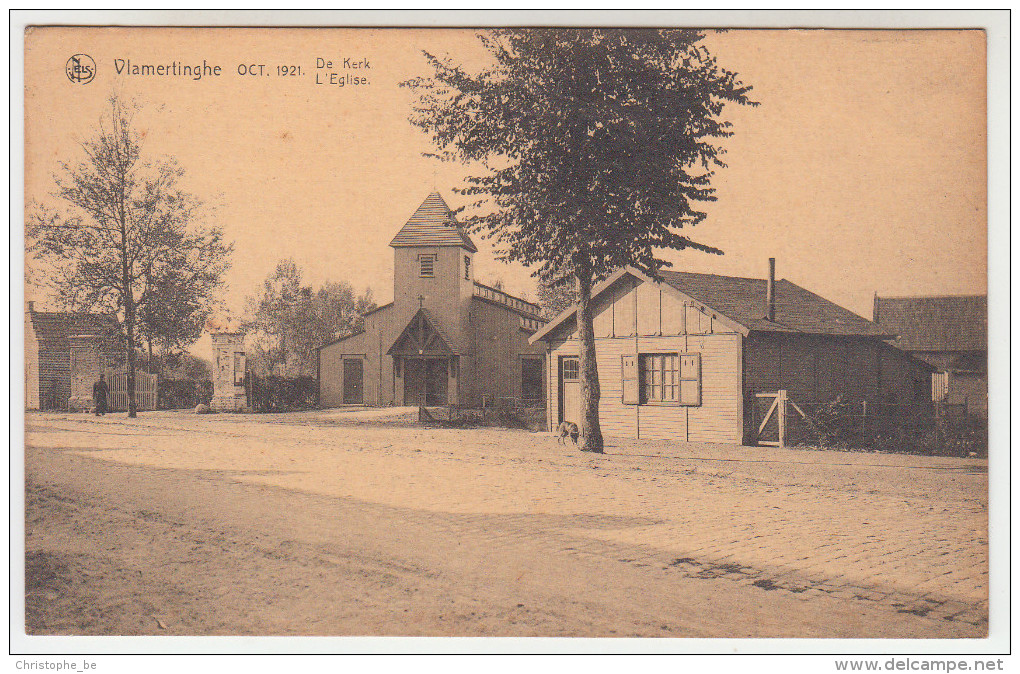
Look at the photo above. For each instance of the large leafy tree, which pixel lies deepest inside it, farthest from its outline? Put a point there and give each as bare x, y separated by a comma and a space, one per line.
555, 298
179, 293
289, 320
589, 150
124, 238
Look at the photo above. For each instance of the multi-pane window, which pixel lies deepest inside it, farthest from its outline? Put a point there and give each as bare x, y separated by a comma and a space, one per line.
467, 267
427, 266
662, 379
571, 369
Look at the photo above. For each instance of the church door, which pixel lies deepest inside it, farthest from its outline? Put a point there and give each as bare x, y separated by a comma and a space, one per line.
425, 381
436, 380
354, 380
414, 382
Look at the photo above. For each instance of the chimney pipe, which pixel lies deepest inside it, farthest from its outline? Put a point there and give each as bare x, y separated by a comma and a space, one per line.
770, 292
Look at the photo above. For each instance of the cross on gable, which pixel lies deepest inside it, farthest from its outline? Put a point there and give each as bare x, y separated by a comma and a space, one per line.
421, 337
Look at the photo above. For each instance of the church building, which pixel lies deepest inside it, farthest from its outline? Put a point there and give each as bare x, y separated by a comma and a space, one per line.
445, 339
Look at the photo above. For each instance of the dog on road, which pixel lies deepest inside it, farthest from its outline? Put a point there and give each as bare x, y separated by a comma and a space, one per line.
565, 430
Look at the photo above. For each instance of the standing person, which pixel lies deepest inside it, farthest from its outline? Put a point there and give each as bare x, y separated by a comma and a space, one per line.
99, 392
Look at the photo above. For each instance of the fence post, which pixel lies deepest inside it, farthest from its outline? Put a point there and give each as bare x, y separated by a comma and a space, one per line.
939, 416
781, 417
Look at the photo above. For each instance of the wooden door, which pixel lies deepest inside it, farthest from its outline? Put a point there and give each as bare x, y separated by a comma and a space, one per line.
570, 390
354, 381
414, 384
436, 381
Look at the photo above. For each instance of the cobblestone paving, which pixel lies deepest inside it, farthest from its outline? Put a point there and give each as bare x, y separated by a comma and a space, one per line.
907, 534
908, 553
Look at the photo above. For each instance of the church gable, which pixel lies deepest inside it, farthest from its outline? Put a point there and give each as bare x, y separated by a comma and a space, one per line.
422, 337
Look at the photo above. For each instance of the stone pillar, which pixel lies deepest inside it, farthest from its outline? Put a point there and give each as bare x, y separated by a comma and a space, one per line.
229, 364
88, 361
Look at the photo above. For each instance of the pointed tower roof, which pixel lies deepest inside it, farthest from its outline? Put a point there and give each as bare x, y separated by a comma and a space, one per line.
433, 225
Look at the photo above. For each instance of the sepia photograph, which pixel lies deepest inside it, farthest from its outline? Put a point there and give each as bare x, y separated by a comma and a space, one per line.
659, 332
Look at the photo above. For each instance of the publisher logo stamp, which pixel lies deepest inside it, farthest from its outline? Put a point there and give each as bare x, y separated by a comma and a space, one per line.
80, 69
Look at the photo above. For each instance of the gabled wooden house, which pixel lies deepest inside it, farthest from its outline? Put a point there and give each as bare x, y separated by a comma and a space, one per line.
445, 339
681, 357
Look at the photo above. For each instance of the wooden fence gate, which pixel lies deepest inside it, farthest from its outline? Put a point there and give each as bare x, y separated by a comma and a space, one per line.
145, 390
939, 386
774, 429
771, 430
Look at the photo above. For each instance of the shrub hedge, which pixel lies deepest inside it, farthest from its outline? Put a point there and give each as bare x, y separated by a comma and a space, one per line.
176, 394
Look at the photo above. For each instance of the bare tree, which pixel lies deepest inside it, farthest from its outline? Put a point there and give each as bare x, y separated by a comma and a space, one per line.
124, 237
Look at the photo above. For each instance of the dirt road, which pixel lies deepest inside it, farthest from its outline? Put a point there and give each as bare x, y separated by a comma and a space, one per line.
315, 524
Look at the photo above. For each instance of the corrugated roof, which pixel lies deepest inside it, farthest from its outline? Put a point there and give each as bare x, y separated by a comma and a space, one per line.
797, 309
433, 225
935, 323
58, 326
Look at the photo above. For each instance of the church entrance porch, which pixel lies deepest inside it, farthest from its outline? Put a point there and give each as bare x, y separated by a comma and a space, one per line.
423, 352
426, 381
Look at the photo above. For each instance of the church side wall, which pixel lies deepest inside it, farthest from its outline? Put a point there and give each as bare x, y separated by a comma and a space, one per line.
499, 346
331, 370
377, 367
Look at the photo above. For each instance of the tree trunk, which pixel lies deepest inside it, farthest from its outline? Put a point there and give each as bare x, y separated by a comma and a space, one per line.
591, 431
129, 320
129, 309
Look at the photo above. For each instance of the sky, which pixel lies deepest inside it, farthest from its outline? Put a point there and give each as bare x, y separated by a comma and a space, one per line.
863, 170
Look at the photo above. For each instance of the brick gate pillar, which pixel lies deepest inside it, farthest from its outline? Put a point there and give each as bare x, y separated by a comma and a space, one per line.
229, 364
88, 361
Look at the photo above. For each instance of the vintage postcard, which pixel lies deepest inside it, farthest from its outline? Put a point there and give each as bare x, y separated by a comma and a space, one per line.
668, 333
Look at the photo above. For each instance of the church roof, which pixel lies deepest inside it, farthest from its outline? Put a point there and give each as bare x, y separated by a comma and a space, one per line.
433, 225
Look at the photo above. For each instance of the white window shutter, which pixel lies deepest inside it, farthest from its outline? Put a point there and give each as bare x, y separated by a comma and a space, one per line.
690, 379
